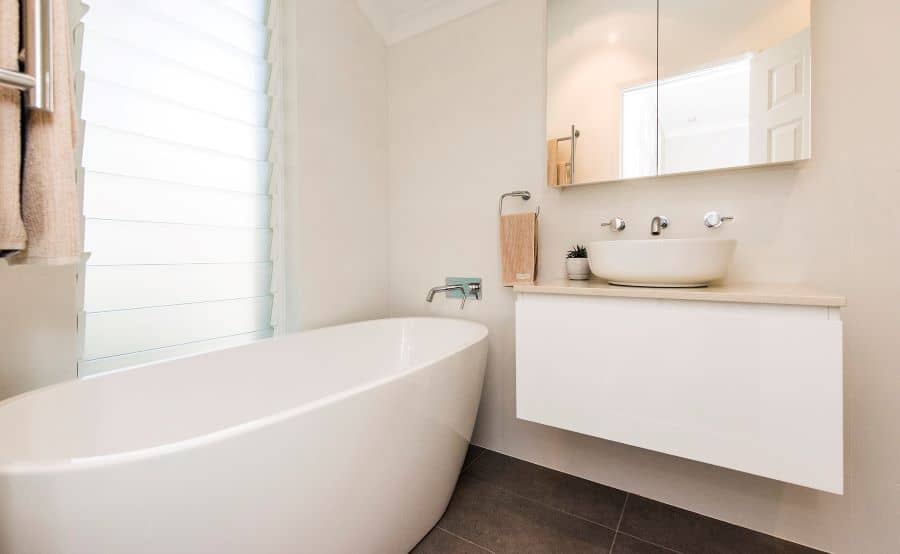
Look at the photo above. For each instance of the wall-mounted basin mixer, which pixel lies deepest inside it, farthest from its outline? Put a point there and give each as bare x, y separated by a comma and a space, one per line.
615, 224
713, 220
657, 224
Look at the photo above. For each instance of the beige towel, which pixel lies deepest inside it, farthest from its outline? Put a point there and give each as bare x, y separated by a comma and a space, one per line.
12, 230
564, 176
50, 201
558, 172
518, 248
552, 160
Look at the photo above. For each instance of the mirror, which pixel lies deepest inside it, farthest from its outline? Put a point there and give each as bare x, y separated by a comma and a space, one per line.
597, 50
734, 83
656, 87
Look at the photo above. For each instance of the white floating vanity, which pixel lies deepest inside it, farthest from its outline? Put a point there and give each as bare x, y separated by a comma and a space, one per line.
744, 377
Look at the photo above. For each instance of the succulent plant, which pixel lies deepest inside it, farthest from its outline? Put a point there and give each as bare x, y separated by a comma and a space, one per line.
577, 251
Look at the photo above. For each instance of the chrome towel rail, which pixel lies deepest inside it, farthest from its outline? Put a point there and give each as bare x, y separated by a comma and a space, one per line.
37, 79
574, 135
523, 194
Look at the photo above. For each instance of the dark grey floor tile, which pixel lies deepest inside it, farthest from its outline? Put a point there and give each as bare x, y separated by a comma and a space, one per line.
503, 522
472, 454
573, 495
693, 533
439, 541
630, 545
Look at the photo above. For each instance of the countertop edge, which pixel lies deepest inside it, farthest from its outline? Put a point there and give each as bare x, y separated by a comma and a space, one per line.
744, 293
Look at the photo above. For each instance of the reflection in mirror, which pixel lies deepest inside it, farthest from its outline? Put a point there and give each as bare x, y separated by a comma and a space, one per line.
601, 72
734, 83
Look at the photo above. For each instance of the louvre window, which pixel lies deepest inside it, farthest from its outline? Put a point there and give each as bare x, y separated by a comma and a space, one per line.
176, 178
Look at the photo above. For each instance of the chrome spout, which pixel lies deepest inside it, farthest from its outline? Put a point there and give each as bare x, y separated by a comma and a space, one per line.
657, 224
448, 288
466, 290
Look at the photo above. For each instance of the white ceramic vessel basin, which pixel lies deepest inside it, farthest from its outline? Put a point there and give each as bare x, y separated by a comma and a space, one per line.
661, 262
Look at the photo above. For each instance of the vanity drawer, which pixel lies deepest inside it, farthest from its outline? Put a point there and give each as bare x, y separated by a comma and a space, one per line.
751, 387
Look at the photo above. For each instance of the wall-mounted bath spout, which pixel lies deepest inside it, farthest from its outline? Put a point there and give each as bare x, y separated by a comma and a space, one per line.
473, 289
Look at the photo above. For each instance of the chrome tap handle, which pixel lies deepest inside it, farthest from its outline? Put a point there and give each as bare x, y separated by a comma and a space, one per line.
713, 220
616, 224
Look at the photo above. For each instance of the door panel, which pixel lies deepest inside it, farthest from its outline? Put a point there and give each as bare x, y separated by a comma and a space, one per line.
780, 101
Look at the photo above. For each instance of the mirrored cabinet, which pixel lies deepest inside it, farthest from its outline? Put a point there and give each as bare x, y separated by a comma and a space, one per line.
641, 88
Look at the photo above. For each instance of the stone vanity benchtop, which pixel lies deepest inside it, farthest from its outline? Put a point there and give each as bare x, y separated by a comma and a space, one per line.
793, 295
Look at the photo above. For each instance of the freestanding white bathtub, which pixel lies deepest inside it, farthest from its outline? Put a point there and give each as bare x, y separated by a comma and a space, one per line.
346, 439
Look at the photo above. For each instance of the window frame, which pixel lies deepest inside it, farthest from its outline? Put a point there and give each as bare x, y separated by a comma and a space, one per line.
276, 159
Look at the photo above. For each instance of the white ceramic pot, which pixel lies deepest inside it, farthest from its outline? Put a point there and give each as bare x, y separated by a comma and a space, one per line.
578, 269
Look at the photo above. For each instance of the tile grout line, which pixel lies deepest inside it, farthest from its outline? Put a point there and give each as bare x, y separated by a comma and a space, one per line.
475, 459
657, 545
538, 502
619, 524
619, 531
616, 531
475, 544
622, 515
541, 504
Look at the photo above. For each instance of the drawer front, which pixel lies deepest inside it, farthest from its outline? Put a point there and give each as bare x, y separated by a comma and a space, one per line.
752, 388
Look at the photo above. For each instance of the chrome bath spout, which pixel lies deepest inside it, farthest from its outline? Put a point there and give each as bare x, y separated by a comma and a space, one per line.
467, 290
448, 288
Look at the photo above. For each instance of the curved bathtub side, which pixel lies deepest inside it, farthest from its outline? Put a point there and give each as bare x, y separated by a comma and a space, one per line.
372, 472
113, 417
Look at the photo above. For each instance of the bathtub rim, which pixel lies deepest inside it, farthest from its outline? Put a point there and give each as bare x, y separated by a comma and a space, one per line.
93, 462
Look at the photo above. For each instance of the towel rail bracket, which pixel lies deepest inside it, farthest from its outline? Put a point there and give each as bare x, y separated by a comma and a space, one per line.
37, 56
523, 194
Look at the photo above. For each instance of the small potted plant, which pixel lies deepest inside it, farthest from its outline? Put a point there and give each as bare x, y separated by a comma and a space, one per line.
577, 267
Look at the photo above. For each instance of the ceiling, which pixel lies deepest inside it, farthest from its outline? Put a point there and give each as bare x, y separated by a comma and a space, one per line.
397, 20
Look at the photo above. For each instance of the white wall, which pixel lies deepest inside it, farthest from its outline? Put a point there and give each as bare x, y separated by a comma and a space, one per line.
336, 176
467, 122
38, 344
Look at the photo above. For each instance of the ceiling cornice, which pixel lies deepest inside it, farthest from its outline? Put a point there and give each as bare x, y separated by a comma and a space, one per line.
397, 24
